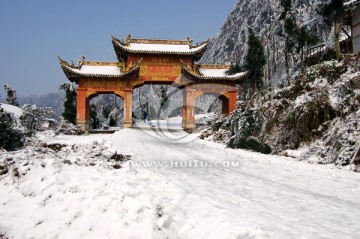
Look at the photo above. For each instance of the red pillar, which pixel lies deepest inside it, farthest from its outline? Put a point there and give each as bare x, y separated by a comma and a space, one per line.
232, 101
188, 118
82, 110
128, 109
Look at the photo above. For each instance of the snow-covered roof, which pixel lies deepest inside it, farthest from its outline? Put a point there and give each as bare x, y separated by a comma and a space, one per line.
96, 69
162, 48
158, 46
212, 72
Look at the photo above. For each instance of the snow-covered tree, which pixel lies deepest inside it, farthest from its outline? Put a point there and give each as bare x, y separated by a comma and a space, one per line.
304, 37
113, 117
69, 103
33, 117
295, 32
164, 99
67, 128
235, 68
11, 97
287, 30
255, 60
11, 137
94, 116
333, 12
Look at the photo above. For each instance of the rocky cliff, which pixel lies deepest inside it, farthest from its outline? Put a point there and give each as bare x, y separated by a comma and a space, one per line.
261, 15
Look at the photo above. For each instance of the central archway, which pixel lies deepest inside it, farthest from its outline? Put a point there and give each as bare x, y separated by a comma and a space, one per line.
157, 105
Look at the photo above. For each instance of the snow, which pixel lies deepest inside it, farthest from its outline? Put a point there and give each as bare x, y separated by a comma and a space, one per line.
297, 153
112, 70
351, 2
173, 48
12, 109
217, 72
98, 70
302, 99
212, 72
335, 98
173, 123
319, 83
48, 137
262, 197
167, 124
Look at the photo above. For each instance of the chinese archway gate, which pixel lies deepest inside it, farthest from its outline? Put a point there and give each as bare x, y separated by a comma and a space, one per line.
146, 61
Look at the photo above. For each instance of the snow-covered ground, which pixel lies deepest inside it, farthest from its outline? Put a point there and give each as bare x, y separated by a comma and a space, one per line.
173, 123
175, 186
12, 109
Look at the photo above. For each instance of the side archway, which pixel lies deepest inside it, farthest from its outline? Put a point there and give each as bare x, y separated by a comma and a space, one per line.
84, 106
209, 102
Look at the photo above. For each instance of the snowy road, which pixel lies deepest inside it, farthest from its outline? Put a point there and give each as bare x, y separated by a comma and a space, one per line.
265, 196
154, 197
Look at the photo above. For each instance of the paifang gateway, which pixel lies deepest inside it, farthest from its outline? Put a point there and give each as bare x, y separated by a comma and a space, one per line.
152, 61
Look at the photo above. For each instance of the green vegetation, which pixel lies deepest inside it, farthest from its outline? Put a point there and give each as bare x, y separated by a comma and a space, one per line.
69, 103
255, 60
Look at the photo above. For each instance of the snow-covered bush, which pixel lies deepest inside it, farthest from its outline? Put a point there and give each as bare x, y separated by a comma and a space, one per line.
67, 128
340, 145
33, 118
218, 129
246, 126
10, 136
45, 153
11, 97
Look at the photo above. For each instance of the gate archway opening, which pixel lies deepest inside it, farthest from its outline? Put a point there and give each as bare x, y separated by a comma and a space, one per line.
157, 105
106, 112
212, 103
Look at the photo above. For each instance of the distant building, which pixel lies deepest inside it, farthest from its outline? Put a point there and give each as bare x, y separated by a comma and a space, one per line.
354, 12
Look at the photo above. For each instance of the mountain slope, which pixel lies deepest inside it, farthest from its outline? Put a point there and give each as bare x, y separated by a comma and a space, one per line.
54, 100
261, 15
318, 113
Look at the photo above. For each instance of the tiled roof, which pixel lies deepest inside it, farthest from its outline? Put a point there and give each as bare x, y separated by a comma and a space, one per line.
158, 46
96, 69
211, 72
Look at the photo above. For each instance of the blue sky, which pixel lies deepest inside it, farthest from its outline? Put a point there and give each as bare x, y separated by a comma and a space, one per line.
34, 33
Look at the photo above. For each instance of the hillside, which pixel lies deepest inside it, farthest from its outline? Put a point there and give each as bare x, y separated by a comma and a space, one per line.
230, 44
318, 115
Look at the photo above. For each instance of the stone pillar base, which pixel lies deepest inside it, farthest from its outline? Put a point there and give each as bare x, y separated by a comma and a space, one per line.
188, 124
127, 124
84, 125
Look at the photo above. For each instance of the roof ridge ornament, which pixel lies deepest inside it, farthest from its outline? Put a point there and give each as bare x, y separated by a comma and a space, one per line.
203, 43
62, 61
118, 41
128, 39
190, 42
81, 62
